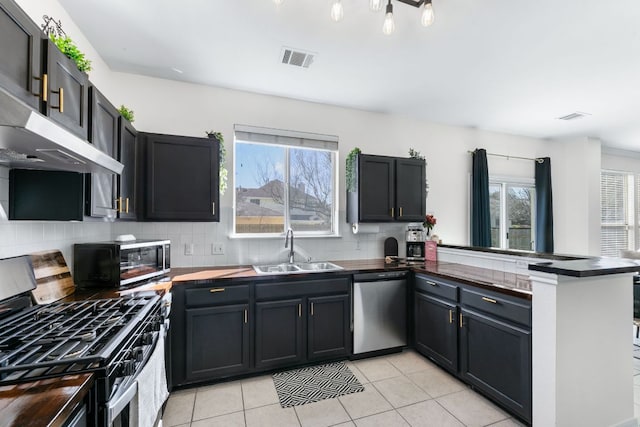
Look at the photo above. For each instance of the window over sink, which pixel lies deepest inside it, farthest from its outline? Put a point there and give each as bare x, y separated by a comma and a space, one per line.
284, 179
512, 212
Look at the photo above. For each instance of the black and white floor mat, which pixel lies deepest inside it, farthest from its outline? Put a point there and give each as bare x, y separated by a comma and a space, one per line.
307, 385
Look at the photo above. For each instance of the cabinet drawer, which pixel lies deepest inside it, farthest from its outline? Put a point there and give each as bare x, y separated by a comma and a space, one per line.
497, 304
437, 287
303, 287
215, 295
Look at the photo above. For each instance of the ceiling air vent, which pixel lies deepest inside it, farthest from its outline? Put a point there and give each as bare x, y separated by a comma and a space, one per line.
297, 57
574, 116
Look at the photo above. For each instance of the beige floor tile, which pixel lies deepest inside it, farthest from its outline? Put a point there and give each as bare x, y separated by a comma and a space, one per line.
436, 382
359, 375
324, 413
229, 420
400, 391
347, 424
386, 419
367, 402
377, 369
271, 416
508, 423
179, 408
472, 409
217, 400
429, 414
409, 361
259, 391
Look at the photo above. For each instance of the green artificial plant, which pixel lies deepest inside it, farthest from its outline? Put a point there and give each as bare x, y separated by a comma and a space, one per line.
126, 113
351, 162
415, 154
223, 174
69, 48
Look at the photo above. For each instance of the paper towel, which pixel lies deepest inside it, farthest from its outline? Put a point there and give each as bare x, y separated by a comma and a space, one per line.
365, 228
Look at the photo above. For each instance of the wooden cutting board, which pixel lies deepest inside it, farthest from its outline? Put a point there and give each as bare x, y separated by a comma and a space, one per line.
53, 277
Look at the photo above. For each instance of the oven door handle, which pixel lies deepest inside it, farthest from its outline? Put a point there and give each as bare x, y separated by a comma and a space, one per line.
115, 407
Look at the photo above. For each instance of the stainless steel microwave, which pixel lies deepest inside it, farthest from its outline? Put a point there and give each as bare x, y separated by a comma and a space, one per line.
120, 264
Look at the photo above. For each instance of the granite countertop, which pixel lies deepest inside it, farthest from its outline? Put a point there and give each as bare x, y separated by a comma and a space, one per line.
42, 403
509, 283
588, 267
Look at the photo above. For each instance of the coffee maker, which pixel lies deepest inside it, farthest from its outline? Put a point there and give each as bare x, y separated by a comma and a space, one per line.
415, 237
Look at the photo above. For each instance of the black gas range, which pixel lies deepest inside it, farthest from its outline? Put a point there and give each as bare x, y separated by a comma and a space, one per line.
111, 338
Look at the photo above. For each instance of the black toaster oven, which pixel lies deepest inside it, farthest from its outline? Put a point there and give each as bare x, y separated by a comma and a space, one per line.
120, 264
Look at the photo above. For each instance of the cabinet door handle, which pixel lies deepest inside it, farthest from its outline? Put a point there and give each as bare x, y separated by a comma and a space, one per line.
491, 300
246, 316
118, 202
127, 205
431, 283
214, 290
461, 322
312, 309
400, 211
43, 87
392, 211
299, 310
60, 106
213, 208
450, 316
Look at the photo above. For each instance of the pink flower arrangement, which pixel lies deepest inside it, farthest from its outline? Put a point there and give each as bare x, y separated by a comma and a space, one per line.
429, 222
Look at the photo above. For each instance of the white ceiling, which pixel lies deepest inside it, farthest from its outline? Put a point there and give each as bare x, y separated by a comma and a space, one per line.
505, 65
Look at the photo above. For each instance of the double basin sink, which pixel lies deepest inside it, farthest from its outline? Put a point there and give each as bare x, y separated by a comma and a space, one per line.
298, 267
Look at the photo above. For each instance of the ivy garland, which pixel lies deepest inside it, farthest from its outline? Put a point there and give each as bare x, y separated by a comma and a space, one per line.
352, 179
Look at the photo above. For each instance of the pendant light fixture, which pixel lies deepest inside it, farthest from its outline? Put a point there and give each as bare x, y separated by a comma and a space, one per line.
427, 14
375, 5
389, 26
337, 12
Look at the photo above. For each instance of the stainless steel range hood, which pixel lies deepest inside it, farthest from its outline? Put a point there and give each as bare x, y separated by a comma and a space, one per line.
30, 140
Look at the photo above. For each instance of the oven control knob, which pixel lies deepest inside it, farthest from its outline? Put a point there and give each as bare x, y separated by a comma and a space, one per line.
147, 338
156, 324
128, 368
137, 354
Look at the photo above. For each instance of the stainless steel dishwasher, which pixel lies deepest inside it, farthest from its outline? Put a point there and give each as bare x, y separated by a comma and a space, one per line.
379, 311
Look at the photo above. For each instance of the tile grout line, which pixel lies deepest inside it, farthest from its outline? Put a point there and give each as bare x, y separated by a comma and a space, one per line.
244, 410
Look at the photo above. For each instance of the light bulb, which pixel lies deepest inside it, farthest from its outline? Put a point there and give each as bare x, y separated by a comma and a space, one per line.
336, 11
375, 5
389, 26
278, 2
427, 14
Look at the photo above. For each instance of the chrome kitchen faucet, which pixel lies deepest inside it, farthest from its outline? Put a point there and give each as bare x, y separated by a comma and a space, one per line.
286, 243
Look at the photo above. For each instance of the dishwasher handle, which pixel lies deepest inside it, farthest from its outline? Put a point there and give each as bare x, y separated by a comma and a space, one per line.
379, 276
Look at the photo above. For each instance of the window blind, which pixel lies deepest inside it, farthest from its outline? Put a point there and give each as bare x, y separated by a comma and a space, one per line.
286, 137
614, 234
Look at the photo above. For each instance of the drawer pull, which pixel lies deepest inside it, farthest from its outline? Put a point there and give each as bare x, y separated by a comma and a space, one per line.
431, 283
491, 300
214, 290
450, 316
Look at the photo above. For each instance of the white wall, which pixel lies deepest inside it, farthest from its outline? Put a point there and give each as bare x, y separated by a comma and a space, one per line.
188, 109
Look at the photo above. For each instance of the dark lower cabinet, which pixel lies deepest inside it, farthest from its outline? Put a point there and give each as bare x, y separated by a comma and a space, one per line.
217, 341
20, 52
496, 358
279, 333
328, 332
436, 330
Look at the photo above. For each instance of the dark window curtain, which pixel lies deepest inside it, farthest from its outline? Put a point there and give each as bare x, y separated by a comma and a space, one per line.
544, 207
480, 215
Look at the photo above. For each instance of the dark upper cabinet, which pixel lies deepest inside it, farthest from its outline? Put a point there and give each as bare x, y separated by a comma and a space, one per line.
410, 189
66, 95
388, 189
181, 178
279, 333
328, 331
103, 134
217, 340
128, 156
20, 44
